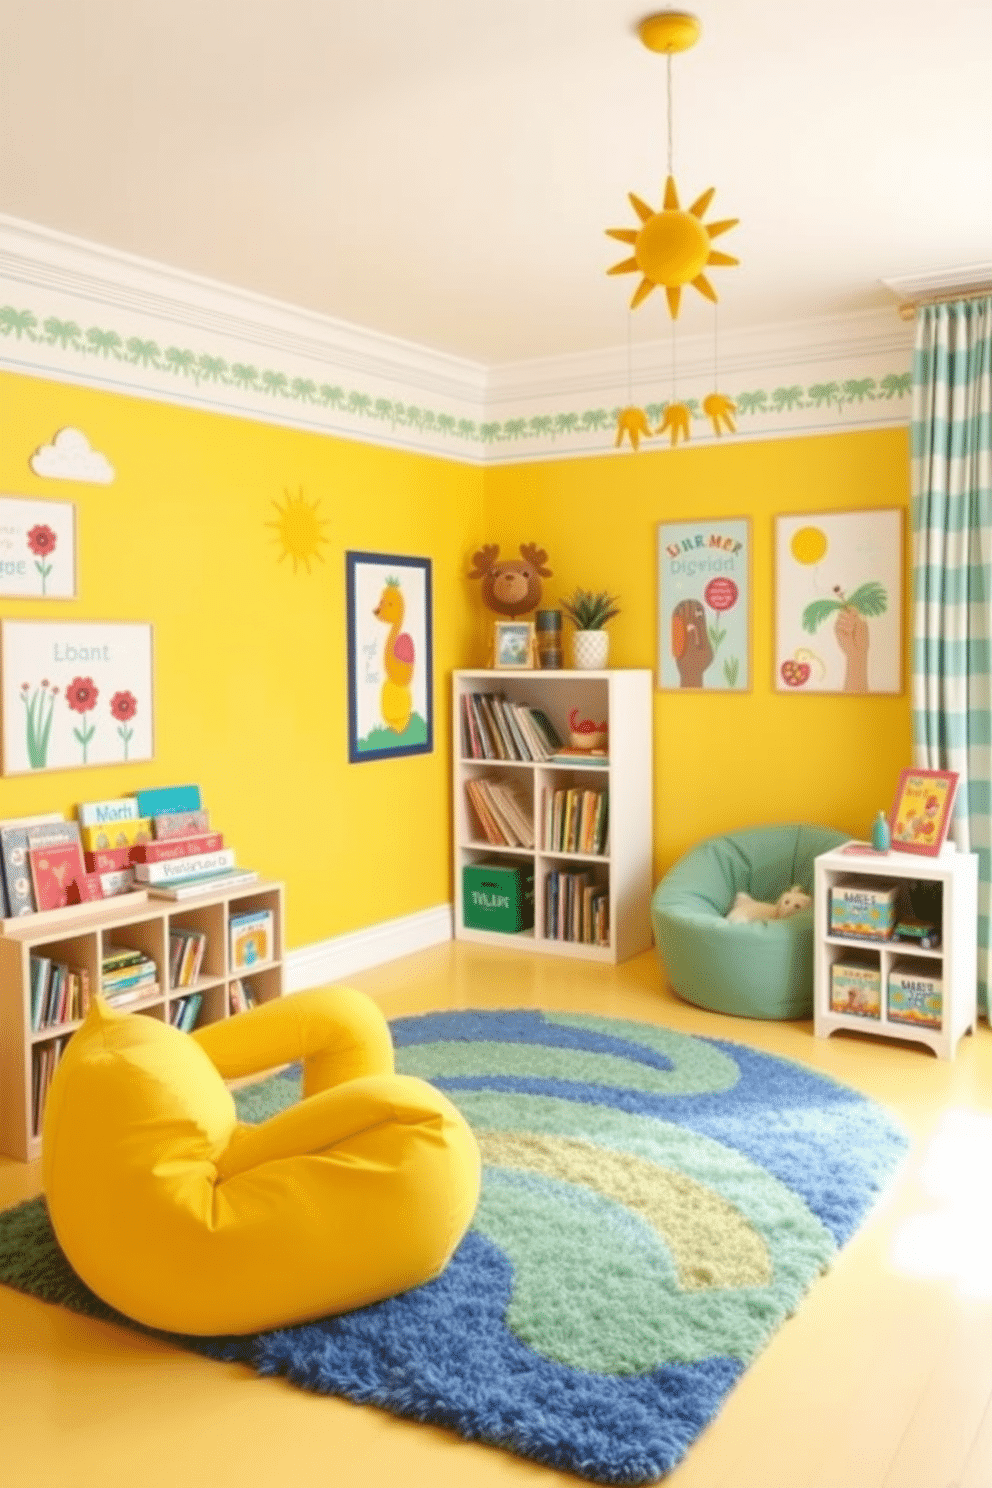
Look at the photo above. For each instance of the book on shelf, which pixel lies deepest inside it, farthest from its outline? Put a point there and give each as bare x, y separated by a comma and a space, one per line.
59, 993
240, 997
106, 837
180, 823
85, 888
128, 980
207, 883
177, 847
44, 1058
105, 813
184, 1013
53, 870
576, 909
503, 817
497, 728
251, 938
575, 820
119, 882
120, 956
107, 859
123, 996
16, 895
175, 869
568, 755
186, 951
168, 798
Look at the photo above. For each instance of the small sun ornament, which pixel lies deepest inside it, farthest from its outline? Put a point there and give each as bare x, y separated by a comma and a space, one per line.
673, 246
720, 410
632, 423
675, 421
298, 530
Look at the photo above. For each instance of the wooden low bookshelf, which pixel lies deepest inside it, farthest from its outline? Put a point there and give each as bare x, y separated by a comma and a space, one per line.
79, 936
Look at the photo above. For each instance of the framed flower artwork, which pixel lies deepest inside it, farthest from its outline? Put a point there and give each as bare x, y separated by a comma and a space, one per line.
37, 548
74, 694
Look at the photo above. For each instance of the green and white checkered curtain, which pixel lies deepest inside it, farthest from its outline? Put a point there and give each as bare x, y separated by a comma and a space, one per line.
952, 574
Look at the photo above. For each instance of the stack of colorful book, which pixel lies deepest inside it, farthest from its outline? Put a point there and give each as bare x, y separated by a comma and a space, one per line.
126, 975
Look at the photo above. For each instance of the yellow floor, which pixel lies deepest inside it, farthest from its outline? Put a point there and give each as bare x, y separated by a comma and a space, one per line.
882, 1380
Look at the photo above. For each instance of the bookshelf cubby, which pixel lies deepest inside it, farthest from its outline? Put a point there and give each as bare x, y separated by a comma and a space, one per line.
622, 871
80, 937
953, 961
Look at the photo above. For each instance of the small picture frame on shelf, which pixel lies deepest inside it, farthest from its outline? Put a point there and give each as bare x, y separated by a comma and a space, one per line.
921, 811
513, 645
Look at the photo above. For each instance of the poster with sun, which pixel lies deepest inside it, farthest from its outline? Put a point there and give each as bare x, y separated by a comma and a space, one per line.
390, 656
704, 610
73, 694
838, 602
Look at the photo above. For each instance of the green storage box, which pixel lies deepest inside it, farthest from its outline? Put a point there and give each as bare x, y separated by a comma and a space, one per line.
496, 897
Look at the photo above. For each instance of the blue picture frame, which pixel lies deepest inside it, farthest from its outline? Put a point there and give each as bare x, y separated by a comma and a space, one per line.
390, 656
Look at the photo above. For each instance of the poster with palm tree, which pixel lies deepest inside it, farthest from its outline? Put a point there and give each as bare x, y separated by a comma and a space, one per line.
838, 602
74, 694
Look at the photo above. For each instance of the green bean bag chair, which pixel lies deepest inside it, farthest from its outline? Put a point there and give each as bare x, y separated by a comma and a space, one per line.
762, 969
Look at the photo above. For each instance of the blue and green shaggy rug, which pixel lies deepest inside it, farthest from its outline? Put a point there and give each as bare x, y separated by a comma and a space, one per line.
654, 1206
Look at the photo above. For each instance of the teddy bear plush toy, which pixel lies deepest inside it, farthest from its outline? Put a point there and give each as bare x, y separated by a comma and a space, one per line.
745, 909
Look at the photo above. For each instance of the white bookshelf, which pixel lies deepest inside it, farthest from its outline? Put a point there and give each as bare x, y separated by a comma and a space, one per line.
954, 960
80, 936
623, 698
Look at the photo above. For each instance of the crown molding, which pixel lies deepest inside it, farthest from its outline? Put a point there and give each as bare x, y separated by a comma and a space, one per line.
74, 311
940, 283
748, 353
143, 289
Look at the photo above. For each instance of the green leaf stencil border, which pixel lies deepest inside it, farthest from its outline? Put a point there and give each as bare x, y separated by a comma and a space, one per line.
204, 369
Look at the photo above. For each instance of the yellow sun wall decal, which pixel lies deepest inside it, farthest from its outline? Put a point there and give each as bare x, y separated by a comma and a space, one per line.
298, 530
672, 247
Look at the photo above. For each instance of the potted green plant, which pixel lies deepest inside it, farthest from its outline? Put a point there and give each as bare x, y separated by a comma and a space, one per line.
589, 613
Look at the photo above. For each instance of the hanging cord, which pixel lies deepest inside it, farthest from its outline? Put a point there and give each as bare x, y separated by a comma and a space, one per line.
668, 59
630, 375
716, 349
675, 368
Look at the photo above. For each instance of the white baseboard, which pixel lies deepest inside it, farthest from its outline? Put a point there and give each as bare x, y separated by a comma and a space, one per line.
332, 960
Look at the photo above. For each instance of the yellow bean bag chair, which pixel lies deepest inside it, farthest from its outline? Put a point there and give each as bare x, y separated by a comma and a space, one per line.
185, 1219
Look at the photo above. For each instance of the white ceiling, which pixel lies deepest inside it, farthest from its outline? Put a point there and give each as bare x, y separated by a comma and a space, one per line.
443, 170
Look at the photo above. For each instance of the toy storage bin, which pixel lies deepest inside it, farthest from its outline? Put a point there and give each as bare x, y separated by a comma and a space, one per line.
856, 987
498, 897
915, 993
863, 907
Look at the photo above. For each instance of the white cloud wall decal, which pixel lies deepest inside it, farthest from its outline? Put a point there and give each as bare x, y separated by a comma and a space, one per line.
71, 457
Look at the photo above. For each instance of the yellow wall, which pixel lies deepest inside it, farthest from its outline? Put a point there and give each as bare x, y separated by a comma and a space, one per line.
722, 760
250, 677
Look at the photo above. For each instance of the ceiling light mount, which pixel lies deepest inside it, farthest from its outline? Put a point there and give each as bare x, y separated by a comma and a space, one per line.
669, 31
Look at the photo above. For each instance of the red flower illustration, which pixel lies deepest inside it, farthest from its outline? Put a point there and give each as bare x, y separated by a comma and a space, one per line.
123, 705
81, 694
42, 540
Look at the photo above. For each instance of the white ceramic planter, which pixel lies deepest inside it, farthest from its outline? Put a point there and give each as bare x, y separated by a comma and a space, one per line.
590, 650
